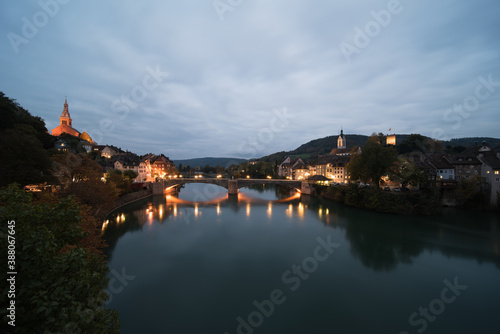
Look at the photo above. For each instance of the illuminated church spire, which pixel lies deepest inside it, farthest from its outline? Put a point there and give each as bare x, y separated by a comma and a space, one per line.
65, 118
341, 141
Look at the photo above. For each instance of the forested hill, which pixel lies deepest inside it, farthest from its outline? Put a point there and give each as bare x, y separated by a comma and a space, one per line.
317, 147
212, 162
324, 145
471, 141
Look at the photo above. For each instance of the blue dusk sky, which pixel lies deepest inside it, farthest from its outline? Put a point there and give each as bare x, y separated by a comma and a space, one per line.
246, 78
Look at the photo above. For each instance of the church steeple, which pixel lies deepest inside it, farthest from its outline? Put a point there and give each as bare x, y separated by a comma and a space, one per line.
65, 118
341, 141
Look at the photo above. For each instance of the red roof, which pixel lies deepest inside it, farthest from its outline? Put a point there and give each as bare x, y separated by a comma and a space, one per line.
63, 128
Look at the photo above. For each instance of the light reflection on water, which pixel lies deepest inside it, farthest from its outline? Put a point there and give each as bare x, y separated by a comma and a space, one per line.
210, 260
177, 206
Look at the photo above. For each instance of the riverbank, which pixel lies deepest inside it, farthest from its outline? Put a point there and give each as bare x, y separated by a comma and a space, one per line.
424, 202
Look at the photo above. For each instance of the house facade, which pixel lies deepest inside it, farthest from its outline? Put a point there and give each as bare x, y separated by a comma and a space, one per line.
443, 168
466, 164
490, 170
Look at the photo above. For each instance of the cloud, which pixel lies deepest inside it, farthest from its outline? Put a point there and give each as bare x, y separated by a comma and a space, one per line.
227, 78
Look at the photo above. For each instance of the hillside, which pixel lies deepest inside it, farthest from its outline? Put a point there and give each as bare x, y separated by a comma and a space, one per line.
324, 145
468, 142
317, 147
212, 162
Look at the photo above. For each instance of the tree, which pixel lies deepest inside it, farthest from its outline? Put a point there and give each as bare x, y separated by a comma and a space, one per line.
373, 162
121, 180
70, 167
81, 176
130, 175
472, 191
60, 278
405, 172
419, 143
23, 145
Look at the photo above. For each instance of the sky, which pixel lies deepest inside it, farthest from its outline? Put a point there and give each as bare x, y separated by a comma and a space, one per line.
247, 78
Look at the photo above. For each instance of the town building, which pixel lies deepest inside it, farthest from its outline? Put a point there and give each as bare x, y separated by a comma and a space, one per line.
490, 170
443, 168
161, 167
292, 169
332, 167
300, 170
466, 163
108, 151
126, 161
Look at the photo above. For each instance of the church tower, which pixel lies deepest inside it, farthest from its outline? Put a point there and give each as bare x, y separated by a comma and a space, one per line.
341, 142
65, 123
65, 118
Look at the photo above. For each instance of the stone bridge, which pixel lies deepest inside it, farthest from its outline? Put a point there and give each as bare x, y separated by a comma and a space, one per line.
232, 186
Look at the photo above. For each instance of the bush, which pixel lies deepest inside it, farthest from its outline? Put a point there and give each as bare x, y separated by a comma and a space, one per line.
377, 200
60, 278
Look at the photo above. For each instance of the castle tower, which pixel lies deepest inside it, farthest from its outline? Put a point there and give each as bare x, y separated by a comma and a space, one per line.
341, 141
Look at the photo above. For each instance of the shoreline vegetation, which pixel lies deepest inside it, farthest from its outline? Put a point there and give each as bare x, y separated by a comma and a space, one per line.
425, 202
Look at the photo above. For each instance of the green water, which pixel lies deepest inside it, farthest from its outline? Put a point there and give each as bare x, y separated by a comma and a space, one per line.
265, 263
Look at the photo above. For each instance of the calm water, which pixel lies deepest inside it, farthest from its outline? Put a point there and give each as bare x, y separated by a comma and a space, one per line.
265, 262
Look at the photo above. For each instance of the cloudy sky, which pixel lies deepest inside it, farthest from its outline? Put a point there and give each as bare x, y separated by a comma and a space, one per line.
245, 78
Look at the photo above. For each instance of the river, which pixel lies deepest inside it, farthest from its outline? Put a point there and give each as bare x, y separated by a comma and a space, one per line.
271, 261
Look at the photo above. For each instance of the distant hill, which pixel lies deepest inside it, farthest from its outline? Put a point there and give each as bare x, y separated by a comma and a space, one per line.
324, 145
468, 142
212, 162
317, 147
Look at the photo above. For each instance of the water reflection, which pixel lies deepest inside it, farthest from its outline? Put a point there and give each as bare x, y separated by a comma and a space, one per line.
379, 241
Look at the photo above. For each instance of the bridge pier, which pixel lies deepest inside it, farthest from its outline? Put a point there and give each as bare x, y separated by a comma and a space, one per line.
232, 187
306, 188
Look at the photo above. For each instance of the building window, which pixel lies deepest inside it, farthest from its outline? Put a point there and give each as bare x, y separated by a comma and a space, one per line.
497, 172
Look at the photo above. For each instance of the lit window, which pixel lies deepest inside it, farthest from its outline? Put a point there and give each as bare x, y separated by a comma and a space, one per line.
497, 172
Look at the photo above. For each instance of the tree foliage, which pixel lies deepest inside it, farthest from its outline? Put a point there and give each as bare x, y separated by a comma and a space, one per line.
373, 162
23, 145
61, 274
419, 143
406, 173
81, 176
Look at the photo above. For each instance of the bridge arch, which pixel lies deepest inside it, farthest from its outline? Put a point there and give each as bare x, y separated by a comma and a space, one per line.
231, 185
